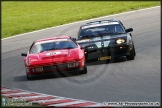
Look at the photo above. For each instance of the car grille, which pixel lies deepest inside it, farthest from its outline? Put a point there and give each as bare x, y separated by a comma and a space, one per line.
54, 67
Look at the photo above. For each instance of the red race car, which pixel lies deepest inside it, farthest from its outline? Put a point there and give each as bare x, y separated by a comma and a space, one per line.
52, 55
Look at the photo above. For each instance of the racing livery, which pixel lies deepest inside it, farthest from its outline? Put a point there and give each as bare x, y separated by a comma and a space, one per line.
52, 55
106, 40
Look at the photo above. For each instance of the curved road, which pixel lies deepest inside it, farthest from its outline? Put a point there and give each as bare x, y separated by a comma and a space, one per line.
137, 80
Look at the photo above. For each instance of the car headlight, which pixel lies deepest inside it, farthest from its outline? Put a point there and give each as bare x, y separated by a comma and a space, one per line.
119, 41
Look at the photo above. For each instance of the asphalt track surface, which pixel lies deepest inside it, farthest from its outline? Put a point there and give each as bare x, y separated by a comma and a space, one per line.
137, 80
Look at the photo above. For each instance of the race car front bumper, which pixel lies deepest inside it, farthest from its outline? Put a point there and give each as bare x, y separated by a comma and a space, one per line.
54, 72
111, 51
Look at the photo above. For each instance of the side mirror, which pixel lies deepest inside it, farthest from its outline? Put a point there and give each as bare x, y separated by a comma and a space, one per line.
23, 54
128, 30
74, 39
81, 47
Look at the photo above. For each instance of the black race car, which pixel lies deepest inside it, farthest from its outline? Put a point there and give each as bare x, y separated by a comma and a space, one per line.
106, 40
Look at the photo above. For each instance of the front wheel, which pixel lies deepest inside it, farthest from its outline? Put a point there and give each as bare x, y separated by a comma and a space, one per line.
134, 50
84, 71
28, 78
132, 54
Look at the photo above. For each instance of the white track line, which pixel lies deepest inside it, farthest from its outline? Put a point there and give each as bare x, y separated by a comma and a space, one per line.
67, 103
95, 105
6, 90
50, 100
17, 93
32, 97
80, 21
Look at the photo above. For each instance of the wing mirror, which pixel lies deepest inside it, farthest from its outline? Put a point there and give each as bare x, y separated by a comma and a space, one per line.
128, 30
81, 47
74, 39
23, 54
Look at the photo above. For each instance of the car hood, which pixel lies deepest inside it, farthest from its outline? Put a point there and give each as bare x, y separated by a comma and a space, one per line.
55, 56
96, 41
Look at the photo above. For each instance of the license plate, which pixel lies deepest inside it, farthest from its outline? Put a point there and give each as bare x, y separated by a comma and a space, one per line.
39, 69
71, 65
104, 58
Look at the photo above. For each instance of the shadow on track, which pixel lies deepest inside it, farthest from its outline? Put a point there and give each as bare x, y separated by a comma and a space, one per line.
57, 75
117, 60
62, 75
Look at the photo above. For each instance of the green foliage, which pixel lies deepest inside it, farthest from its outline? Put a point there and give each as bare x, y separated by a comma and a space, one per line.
20, 17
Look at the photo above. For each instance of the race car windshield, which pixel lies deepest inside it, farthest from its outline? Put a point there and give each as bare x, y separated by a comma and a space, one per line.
54, 45
101, 30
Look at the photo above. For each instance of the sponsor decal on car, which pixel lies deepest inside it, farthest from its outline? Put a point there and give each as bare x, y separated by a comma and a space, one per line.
106, 43
53, 53
48, 41
85, 40
108, 23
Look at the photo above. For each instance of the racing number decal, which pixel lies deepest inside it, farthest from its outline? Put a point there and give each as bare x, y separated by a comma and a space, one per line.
98, 44
106, 43
52, 53
102, 43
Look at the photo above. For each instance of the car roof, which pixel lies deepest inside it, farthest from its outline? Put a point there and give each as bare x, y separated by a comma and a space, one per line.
53, 38
99, 22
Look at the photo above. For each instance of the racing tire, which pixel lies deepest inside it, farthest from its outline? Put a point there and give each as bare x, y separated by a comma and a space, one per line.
132, 54
84, 71
28, 78
134, 50
112, 60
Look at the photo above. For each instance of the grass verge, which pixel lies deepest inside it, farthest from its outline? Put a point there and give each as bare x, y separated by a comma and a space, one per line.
24, 16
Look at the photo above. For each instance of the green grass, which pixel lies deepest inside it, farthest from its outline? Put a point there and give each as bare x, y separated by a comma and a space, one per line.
20, 17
